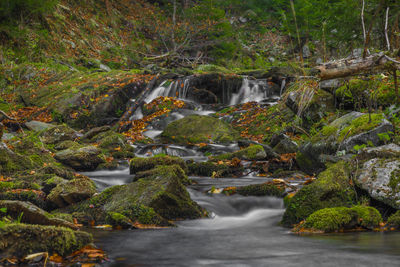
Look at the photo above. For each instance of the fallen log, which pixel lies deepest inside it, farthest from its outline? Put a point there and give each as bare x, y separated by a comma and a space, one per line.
349, 67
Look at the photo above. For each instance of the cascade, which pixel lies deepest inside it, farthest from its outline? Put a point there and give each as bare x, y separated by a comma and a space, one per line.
252, 90
178, 88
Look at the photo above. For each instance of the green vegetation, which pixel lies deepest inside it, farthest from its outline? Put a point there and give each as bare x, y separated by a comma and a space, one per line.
261, 190
394, 219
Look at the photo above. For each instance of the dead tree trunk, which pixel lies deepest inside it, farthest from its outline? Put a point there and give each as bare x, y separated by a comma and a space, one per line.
348, 67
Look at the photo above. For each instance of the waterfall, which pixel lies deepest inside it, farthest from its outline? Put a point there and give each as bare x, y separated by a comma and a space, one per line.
178, 88
251, 90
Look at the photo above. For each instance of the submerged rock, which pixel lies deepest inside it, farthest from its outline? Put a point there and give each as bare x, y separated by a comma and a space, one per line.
196, 129
23, 239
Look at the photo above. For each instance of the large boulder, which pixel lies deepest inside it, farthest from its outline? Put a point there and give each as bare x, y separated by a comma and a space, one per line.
196, 129
331, 189
81, 158
152, 200
380, 176
72, 192
23, 239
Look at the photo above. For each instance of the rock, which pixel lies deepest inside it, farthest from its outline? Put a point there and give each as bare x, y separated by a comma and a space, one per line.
367, 136
81, 159
286, 145
330, 85
331, 189
32, 214
213, 169
270, 154
145, 164
310, 156
11, 162
261, 190
253, 152
21, 239
58, 134
152, 200
385, 151
95, 131
72, 192
380, 177
38, 126
394, 219
339, 218
105, 67
196, 129
51, 183
306, 51
355, 129
311, 105
66, 145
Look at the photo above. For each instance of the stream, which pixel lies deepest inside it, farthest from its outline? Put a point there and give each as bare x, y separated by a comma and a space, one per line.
241, 231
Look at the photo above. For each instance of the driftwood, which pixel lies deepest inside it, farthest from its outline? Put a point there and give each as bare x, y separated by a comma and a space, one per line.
348, 67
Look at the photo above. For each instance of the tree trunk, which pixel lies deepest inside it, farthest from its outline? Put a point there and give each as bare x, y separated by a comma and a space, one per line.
348, 67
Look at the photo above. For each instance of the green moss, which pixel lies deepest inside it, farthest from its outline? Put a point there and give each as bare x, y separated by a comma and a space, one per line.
144, 164
331, 189
368, 217
331, 219
213, 169
196, 129
21, 239
63, 216
360, 125
394, 219
253, 152
261, 190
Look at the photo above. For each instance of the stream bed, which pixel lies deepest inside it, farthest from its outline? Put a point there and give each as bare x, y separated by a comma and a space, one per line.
242, 231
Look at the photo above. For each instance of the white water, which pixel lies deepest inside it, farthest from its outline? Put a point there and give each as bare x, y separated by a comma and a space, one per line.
176, 88
251, 90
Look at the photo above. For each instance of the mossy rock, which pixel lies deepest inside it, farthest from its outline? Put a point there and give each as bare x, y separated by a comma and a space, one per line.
118, 219
81, 159
165, 170
394, 219
261, 190
115, 144
145, 164
213, 169
368, 217
10, 161
253, 152
22, 239
58, 134
66, 145
196, 129
340, 218
35, 197
153, 200
332, 219
52, 182
331, 189
72, 192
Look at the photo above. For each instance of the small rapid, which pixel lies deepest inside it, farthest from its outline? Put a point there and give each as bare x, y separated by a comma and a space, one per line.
241, 231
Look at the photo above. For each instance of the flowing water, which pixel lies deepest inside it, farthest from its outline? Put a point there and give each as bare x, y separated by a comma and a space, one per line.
243, 231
